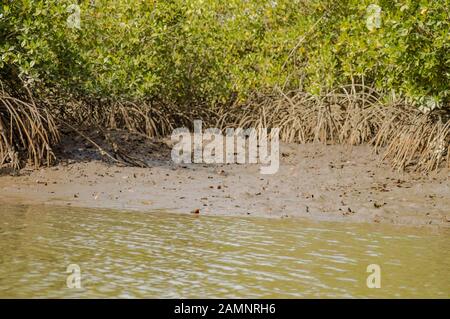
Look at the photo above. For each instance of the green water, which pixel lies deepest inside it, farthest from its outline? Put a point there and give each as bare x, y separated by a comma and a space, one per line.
131, 254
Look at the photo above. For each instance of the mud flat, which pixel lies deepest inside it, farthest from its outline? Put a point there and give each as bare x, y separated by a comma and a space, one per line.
315, 181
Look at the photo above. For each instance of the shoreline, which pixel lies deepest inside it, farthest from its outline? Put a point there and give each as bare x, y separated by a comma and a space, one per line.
315, 181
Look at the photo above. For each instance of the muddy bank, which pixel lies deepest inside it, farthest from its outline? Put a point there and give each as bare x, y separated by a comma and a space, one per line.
315, 181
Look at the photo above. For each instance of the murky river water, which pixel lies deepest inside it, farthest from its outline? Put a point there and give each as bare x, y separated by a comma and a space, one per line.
130, 254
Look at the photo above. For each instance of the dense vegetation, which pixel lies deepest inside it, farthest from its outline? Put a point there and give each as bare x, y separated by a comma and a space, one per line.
163, 62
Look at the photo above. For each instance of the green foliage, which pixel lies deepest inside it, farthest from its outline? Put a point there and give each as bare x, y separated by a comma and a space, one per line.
408, 53
208, 51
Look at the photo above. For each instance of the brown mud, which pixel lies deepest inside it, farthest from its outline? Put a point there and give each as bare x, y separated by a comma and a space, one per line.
315, 181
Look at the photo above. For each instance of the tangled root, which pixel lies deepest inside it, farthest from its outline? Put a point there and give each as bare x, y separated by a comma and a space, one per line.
26, 130
352, 115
